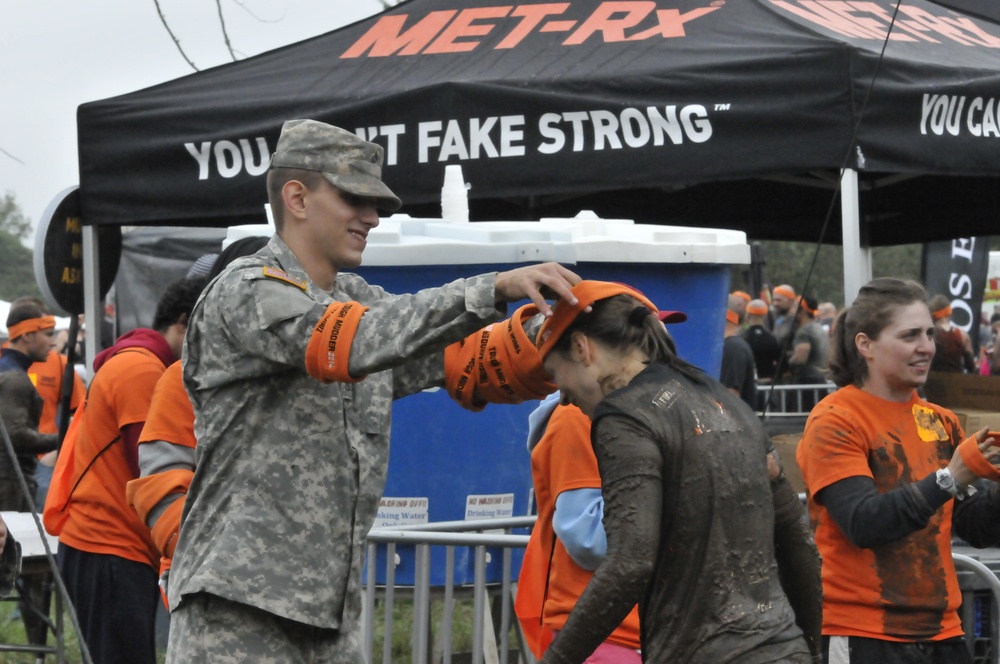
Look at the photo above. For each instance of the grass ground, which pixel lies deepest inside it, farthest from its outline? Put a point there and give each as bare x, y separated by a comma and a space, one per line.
12, 632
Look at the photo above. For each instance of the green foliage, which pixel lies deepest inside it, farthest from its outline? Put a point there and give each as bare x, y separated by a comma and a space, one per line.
17, 274
789, 263
12, 219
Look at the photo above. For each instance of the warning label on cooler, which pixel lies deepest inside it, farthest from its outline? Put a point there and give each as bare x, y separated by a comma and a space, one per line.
494, 506
401, 512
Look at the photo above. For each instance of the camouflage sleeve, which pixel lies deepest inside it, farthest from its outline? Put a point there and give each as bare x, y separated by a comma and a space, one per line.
410, 331
10, 565
273, 320
428, 371
266, 318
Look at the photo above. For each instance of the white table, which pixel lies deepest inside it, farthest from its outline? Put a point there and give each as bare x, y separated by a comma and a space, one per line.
22, 526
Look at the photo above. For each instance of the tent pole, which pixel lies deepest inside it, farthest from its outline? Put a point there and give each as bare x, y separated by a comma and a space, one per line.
857, 259
91, 296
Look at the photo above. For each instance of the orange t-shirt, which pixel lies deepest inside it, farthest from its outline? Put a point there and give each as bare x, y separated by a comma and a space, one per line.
905, 590
564, 460
47, 377
100, 519
171, 415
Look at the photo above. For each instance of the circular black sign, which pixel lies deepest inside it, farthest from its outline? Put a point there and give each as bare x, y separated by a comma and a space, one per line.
59, 253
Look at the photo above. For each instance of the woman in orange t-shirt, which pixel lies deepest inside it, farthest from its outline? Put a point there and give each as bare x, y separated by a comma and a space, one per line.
886, 483
568, 541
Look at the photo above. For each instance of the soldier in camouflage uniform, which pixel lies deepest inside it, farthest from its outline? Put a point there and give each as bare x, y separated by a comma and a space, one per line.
292, 366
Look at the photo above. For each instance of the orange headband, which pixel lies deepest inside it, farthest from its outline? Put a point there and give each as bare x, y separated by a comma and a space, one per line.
786, 291
745, 296
941, 313
564, 313
732, 317
757, 309
803, 305
31, 325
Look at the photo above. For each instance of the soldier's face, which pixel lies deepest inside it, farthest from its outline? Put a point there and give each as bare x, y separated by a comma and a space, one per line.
339, 223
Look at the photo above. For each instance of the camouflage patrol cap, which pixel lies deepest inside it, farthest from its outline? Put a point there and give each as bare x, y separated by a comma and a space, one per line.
348, 162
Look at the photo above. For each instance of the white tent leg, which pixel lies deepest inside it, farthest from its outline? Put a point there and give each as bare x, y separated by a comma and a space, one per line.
91, 295
857, 259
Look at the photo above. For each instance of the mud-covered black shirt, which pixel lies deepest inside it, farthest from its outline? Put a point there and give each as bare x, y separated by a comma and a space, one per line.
690, 525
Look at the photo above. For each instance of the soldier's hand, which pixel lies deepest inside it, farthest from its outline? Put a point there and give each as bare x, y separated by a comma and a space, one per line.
537, 283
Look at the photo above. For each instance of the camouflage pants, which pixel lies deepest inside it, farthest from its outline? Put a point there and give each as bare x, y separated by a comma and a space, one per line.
207, 628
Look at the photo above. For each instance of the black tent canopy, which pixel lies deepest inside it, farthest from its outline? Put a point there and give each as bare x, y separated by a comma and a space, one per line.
724, 113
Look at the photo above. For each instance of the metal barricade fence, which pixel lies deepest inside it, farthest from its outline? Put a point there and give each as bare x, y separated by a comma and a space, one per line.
989, 577
488, 646
789, 401
493, 647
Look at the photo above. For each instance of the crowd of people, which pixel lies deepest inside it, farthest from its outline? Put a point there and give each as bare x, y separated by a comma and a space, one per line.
229, 459
787, 338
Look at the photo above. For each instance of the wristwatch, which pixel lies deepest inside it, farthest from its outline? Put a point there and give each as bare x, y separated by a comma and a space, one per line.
946, 482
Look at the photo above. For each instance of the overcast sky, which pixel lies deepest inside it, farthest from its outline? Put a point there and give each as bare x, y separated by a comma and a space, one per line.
58, 54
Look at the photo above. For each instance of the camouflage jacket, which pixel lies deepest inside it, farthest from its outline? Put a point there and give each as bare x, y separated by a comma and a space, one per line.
290, 470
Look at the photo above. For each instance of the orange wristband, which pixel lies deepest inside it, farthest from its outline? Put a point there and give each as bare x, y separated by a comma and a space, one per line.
976, 461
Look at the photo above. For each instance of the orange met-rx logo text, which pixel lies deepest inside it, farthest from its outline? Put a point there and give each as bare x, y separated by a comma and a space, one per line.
507, 26
458, 31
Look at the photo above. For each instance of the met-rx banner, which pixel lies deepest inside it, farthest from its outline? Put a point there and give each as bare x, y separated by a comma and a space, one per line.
686, 112
500, 27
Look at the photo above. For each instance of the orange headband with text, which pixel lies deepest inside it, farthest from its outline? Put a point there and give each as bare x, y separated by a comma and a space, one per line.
732, 317
941, 313
742, 294
31, 325
757, 309
564, 313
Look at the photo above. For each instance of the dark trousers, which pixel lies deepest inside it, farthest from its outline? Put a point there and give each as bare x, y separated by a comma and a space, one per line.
876, 651
115, 601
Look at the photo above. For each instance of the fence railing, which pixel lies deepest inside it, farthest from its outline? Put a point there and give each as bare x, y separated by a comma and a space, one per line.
788, 401
490, 643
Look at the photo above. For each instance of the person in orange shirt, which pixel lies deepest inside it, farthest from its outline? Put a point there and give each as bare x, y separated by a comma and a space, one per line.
888, 476
166, 449
48, 377
568, 541
106, 556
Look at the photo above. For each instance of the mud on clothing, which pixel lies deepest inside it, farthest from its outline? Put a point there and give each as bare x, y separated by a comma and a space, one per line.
690, 526
906, 589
